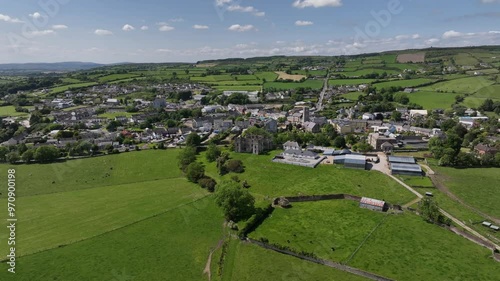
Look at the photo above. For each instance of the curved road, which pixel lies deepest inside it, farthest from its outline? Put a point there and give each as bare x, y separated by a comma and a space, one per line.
383, 168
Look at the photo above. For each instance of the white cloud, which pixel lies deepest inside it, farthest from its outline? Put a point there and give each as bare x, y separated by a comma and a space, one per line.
102, 32
165, 28
432, 41
59, 26
128, 27
222, 2
164, 51
7, 18
415, 36
303, 23
494, 32
238, 8
317, 3
241, 28
42, 32
144, 27
35, 15
490, 1
455, 34
198, 26
245, 9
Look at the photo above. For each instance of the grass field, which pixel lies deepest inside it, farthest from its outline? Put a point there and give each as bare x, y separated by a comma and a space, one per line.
114, 77
269, 76
313, 84
320, 226
465, 59
171, 246
81, 214
113, 115
467, 85
407, 248
403, 83
433, 100
10, 111
339, 82
417, 181
65, 88
325, 179
125, 168
247, 262
477, 187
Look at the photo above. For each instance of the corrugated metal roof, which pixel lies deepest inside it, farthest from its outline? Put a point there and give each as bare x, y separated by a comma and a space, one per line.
349, 159
406, 167
373, 202
401, 159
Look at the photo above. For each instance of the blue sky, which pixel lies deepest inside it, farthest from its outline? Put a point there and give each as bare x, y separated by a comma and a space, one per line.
190, 30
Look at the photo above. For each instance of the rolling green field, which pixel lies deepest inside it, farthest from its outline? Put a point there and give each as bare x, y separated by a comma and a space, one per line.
173, 245
82, 214
465, 59
125, 168
65, 88
403, 241
325, 179
247, 262
432, 100
313, 84
339, 82
100, 215
114, 77
392, 250
477, 187
320, 226
10, 111
468, 85
403, 83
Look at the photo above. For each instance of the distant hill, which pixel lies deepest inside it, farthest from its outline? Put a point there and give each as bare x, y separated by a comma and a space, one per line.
51, 67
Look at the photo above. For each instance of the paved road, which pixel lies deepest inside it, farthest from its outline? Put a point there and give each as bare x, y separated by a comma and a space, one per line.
319, 106
382, 167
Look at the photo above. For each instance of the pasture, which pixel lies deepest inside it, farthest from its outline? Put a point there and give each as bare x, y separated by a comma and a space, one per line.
432, 100
61, 89
402, 83
467, 85
313, 84
477, 187
325, 179
343, 82
405, 247
247, 262
10, 111
320, 226
172, 245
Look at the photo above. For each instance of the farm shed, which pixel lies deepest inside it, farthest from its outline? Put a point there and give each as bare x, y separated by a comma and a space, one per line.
351, 161
406, 169
372, 204
355, 161
401, 159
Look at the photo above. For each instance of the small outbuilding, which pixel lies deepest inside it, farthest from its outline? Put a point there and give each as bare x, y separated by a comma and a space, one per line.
372, 204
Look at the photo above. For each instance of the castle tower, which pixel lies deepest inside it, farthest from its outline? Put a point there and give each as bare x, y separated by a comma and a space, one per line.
305, 115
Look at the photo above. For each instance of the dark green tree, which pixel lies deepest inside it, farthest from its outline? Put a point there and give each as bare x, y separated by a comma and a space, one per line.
236, 203
195, 171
